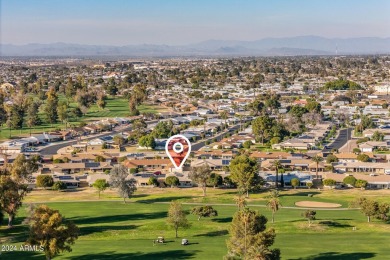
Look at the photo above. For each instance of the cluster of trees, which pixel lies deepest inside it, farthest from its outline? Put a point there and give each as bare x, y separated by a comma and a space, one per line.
342, 84
12, 184
371, 208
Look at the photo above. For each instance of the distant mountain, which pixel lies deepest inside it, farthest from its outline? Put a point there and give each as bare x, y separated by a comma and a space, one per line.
301, 45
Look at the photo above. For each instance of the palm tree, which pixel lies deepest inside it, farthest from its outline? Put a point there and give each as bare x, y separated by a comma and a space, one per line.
273, 203
277, 165
317, 159
224, 115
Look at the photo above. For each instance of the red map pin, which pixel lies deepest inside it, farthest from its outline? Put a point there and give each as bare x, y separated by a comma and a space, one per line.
178, 148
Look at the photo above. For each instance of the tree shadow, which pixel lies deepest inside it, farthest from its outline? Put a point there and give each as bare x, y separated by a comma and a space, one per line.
21, 255
118, 218
331, 223
223, 220
214, 233
93, 229
165, 199
303, 194
338, 256
172, 254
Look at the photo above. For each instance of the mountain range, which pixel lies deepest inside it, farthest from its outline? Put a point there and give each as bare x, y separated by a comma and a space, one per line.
288, 46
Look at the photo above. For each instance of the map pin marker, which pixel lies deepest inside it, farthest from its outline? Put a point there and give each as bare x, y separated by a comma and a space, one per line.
178, 148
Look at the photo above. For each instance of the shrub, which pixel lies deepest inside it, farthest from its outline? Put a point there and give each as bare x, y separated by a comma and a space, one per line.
363, 157
361, 184
295, 182
133, 170
59, 185
329, 182
172, 181
44, 181
331, 158
58, 160
356, 150
247, 144
350, 181
153, 181
309, 185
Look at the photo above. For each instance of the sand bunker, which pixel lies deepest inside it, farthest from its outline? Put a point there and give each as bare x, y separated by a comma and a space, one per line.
316, 204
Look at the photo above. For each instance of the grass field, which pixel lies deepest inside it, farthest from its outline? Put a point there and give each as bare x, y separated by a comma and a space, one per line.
116, 107
113, 230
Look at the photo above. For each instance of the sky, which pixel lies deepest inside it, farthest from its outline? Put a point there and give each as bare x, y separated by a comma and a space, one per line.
179, 22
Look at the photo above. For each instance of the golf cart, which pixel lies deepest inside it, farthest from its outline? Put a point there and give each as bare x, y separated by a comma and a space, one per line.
160, 240
184, 242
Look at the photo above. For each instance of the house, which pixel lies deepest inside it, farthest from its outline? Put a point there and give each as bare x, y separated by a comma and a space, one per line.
373, 181
148, 164
350, 157
287, 177
368, 167
370, 146
214, 164
294, 143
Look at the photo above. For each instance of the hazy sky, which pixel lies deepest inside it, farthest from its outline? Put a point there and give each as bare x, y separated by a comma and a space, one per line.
121, 22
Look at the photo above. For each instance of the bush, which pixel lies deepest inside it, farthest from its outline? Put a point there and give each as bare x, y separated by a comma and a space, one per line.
172, 181
356, 150
153, 181
59, 185
363, 157
133, 170
122, 159
331, 158
58, 160
350, 181
362, 140
44, 181
309, 185
329, 182
247, 144
295, 182
361, 184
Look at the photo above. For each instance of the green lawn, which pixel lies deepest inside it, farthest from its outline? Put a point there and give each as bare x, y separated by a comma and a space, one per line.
113, 230
116, 107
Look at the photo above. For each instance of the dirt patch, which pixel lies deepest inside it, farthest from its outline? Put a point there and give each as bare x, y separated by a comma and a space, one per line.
316, 204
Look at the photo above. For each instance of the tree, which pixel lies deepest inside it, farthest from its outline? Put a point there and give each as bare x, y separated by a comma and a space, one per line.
12, 193
363, 157
377, 136
101, 185
249, 238
204, 211
368, 207
101, 100
59, 185
139, 127
295, 182
277, 165
22, 167
224, 115
309, 185
177, 217
49, 229
147, 141
45, 181
15, 117
247, 144
331, 158
62, 111
119, 140
243, 171
349, 181
118, 179
172, 181
329, 182
310, 215
361, 184
51, 106
317, 159
273, 203
313, 106
163, 129
32, 115
214, 180
261, 127
200, 175
153, 181
383, 210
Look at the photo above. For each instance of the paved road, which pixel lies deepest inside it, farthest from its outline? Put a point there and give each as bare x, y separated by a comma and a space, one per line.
53, 148
218, 137
340, 141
